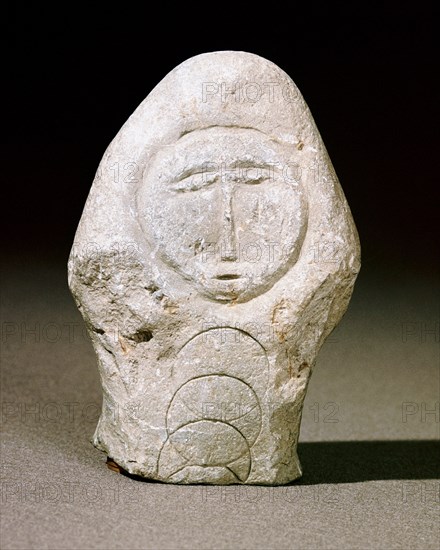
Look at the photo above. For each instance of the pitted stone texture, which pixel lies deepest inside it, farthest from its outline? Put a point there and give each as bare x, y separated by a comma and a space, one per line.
215, 254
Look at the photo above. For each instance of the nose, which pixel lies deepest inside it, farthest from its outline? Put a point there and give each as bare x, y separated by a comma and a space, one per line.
228, 241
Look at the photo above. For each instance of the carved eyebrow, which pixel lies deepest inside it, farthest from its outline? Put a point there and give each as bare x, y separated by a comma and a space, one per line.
212, 167
193, 170
247, 163
221, 127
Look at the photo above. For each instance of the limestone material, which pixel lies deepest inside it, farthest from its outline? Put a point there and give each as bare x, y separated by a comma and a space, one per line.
215, 254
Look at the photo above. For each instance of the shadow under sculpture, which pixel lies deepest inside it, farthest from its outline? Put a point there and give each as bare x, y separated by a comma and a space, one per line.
215, 254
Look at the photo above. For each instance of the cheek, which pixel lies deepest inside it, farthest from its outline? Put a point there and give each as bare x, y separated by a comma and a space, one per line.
180, 222
269, 214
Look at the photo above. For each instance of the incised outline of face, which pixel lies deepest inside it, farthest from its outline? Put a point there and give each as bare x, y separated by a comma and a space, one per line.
223, 208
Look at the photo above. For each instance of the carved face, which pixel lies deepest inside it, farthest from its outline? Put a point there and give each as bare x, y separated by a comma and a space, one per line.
224, 207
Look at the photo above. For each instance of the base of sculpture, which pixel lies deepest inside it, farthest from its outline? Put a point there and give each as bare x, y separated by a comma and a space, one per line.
201, 479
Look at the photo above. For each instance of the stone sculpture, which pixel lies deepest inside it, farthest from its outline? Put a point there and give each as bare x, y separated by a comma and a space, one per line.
215, 254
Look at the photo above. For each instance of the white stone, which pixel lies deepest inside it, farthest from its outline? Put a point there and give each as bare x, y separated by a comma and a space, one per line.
215, 254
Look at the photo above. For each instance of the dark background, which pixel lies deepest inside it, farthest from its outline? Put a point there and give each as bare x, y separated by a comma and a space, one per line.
367, 74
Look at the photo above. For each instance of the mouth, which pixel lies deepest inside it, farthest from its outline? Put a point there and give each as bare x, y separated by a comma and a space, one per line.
227, 277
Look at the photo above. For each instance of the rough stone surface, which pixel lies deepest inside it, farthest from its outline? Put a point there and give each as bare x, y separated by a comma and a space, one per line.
215, 254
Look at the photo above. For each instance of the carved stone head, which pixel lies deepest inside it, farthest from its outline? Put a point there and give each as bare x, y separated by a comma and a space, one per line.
223, 208
215, 253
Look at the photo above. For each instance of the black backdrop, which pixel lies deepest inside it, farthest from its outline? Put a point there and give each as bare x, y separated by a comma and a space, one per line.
366, 73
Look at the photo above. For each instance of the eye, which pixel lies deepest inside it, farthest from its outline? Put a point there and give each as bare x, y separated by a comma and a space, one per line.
256, 181
256, 175
193, 181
